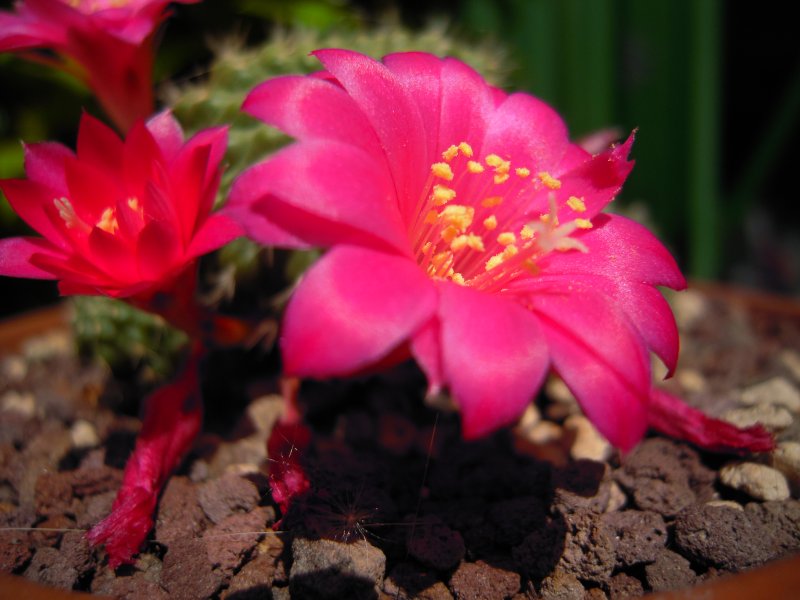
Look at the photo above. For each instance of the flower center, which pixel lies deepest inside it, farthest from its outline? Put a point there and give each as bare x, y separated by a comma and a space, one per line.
107, 221
474, 225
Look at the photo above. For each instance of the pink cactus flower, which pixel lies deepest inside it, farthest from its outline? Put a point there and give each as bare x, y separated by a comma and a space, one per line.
465, 229
108, 44
118, 218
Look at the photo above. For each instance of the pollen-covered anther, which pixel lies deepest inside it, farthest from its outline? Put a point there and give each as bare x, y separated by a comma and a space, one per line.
442, 194
506, 238
491, 201
108, 221
522, 172
458, 216
501, 178
465, 149
527, 232
450, 153
475, 167
548, 180
583, 223
458, 278
576, 204
442, 171
68, 215
449, 233
490, 222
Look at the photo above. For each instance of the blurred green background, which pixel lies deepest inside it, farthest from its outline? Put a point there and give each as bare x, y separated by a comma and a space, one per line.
713, 88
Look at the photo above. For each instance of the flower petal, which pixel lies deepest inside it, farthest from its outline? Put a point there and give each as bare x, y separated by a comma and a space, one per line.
323, 192
596, 181
30, 200
308, 107
216, 231
600, 357
167, 132
44, 164
610, 243
528, 131
352, 308
494, 357
98, 144
392, 113
672, 416
15, 256
427, 351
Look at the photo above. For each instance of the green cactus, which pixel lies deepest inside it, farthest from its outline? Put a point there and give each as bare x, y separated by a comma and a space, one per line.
129, 340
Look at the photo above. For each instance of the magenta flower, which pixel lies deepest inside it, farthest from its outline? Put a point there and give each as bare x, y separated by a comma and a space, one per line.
466, 229
108, 44
119, 218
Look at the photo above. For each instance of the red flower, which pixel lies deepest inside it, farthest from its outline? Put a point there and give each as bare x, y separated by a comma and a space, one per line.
119, 218
466, 228
106, 43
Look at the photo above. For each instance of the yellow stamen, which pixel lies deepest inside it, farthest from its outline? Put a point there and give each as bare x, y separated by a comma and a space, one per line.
475, 167
490, 222
522, 172
576, 204
442, 194
475, 242
493, 160
501, 178
494, 261
526, 233
449, 233
506, 238
440, 259
491, 201
510, 251
457, 215
108, 221
583, 223
442, 171
466, 149
459, 243
548, 180
458, 278
450, 153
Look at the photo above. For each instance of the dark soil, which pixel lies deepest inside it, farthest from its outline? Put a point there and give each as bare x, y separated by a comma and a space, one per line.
400, 507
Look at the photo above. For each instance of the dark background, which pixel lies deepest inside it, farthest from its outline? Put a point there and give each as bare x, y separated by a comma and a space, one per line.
713, 88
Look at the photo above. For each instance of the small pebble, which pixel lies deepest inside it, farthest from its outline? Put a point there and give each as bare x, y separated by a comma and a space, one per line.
786, 458
791, 360
14, 368
777, 391
84, 435
759, 481
616, 498
774, 418
689, 307
588, 443
264, 411
691, 380
23, 404
725, 504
